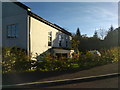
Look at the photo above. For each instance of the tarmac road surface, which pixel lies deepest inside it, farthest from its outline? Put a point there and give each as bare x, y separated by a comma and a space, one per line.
104, 83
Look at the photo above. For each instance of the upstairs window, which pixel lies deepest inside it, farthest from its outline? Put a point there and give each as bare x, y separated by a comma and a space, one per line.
12, 31
66, 43
66, 37
60, 40
49, 38
60, 37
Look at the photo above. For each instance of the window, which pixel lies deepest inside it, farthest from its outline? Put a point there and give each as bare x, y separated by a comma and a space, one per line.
60, 40
66, 43
66, 37
60, 37
12, 31
49, 38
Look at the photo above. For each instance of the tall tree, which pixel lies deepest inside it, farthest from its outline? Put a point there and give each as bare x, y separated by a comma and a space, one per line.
76, 40
95, 34
112, 38
102, 33
75, 43
111, 28
78, 32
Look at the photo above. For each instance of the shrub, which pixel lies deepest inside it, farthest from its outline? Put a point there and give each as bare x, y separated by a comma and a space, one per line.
50, 63
115, 53
110, 55
15, 60
88, 60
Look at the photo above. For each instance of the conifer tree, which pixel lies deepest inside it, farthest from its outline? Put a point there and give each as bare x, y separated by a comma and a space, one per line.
78, 32
95, 34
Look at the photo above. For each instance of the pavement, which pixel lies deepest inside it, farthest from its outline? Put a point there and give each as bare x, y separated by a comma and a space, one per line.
96, 71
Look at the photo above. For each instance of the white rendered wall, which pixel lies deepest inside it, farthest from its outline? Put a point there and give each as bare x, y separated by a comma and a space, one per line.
39, 37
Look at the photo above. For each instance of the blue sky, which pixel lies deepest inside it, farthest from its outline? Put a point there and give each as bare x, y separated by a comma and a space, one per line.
88, 16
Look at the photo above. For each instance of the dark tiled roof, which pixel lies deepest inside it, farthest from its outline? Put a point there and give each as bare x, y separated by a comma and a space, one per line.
22, 5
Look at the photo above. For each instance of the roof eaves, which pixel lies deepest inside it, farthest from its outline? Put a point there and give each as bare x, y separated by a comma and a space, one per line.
22, 5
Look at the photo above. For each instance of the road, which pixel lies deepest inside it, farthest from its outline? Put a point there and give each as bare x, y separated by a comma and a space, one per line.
104, 83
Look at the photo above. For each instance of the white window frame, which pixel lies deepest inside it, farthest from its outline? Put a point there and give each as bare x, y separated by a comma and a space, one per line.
50, 36
12, 31
60, 40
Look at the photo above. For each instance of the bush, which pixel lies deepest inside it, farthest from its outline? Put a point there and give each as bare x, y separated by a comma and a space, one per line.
110, 55
50, 63
88, 60
15, 60
115, 53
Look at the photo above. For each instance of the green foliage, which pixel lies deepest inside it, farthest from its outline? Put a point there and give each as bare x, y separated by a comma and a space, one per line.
88, 60
112, 38
95, 34
75, 43
113, 54
78, 32
15, 60
49, 63
109, 40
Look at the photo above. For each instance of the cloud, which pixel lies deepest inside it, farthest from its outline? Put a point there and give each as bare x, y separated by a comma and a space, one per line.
103, 13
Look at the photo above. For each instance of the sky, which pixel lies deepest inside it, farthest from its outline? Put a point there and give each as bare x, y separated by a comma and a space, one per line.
87, 16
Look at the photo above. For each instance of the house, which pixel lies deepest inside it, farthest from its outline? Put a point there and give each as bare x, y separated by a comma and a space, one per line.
25, 29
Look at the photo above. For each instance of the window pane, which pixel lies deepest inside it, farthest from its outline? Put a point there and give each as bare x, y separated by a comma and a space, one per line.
13, 30
49, 38
9, 32
66, 37
66, 43
60, 43
16, 30
49, 43
59, 37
